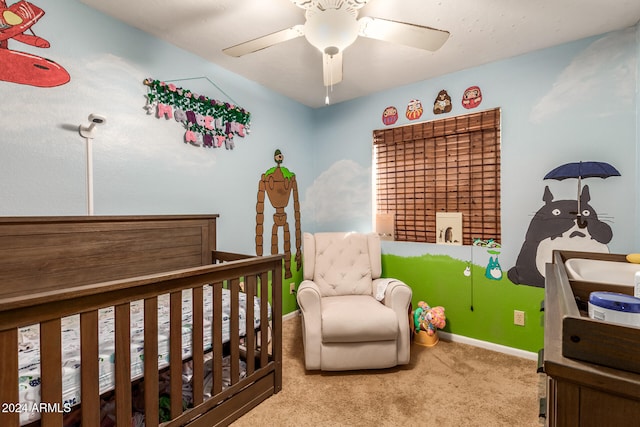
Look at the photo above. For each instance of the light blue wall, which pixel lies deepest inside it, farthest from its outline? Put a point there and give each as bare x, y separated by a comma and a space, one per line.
141, 164
577, 101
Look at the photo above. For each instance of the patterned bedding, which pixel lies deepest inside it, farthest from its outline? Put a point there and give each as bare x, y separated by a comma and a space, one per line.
29, 353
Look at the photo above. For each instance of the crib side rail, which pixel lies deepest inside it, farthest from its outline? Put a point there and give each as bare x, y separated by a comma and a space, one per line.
48, 308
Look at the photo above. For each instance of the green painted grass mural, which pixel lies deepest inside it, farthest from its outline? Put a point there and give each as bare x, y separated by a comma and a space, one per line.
476, 307
289, 303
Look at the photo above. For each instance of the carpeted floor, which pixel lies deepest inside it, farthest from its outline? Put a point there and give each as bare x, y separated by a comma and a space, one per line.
450, 384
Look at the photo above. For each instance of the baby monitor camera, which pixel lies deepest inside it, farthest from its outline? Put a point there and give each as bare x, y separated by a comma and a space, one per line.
94, 120
97, 119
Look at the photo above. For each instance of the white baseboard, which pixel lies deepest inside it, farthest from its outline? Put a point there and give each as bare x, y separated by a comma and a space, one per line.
291, 315
446, 336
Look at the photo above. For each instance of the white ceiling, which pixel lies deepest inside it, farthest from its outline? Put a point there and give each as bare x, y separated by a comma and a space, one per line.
482, 31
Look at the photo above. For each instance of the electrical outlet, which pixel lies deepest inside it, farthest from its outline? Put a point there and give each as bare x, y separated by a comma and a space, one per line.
518, 317
292, 288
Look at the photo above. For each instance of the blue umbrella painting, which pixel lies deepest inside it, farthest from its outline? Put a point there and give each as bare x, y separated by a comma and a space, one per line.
581, 170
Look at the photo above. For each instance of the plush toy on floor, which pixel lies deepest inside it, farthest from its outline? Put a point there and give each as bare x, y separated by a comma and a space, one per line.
427, 320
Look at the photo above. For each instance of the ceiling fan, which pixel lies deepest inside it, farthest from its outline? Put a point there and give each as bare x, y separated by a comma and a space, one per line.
333, 25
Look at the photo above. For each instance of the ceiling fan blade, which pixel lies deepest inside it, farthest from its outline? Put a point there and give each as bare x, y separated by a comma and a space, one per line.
265, 41
332, 68
417, 36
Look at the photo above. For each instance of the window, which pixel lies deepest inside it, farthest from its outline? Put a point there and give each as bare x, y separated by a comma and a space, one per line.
446, 165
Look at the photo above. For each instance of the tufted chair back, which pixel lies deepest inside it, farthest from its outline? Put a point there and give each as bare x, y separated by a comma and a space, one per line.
342, 263
351, 317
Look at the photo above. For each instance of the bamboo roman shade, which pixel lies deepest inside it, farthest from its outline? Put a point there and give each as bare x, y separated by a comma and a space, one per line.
446, 165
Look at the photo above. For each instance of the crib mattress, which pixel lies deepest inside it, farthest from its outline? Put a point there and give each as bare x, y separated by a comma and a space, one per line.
29, 342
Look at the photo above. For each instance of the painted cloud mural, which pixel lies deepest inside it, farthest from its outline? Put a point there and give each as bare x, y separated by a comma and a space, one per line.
340, 193
582, 80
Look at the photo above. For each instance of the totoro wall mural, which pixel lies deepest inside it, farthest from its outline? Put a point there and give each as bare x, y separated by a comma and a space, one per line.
556, 225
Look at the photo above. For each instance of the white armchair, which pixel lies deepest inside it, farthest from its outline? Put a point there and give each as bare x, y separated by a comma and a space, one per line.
351, 318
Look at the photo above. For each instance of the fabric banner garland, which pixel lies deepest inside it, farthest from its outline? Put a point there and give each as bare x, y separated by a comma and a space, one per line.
208, 122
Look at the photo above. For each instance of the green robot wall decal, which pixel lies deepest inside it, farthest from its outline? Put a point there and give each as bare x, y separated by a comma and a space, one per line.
278, 182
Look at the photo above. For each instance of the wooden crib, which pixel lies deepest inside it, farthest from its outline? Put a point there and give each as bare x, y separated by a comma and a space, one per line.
55, 267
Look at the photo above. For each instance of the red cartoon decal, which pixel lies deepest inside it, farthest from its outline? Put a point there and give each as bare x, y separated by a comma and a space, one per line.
20, 67
414, 109
472, 97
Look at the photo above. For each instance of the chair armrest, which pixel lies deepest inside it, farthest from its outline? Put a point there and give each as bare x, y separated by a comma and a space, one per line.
397, 296
308, 296
396, 293
309, 299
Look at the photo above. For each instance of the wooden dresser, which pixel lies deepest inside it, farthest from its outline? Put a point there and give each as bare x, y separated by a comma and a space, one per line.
580, 393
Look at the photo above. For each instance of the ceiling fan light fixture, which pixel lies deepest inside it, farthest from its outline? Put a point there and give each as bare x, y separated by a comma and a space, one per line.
333, 25
332, 30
